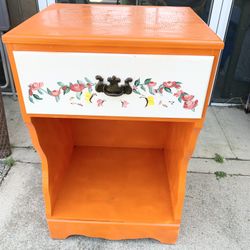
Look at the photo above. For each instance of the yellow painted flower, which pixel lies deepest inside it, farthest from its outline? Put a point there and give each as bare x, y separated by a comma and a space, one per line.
151, 101
88, 96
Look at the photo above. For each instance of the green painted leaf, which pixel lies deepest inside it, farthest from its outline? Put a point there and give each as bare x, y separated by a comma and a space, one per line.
31, 100
37, 97
137, 82
79, 81
40, 91
160, 89
179, 82
49, 91
66, 90
168, 90
151, 91
147, 81
142, 87
179, 99
87, 80
136, 92
90, 90
60, 84
57, 98
78, 95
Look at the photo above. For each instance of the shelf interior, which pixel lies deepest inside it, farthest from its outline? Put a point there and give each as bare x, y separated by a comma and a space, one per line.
115, 184
110, 170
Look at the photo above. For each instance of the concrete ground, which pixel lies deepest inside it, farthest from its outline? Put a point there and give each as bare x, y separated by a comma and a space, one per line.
216, 214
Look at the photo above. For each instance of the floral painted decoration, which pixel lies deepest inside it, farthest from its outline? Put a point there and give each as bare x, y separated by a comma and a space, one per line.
36, 91
124, 103
168, 87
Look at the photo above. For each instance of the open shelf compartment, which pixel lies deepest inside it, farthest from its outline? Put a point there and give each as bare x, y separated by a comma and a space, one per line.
114, 171
115, 184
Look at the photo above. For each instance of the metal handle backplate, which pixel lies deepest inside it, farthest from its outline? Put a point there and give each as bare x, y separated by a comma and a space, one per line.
113, 88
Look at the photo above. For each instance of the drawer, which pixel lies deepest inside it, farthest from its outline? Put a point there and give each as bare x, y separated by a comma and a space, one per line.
160, 86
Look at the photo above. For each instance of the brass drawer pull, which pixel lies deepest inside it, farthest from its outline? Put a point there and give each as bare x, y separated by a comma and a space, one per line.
113, 89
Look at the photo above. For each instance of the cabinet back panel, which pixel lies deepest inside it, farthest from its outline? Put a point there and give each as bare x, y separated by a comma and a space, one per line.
112, 133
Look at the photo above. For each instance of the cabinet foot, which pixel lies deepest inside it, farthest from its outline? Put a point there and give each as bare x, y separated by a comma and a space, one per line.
164, 233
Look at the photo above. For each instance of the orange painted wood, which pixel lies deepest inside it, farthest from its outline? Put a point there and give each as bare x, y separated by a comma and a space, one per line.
55, 141
115, 184
114, 177
112, 133
133, 26
11, 47
165, 233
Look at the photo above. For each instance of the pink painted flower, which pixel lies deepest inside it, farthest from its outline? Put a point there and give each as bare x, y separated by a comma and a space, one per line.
100, 102
190, 104
77, 87
170, 84
89, 86
187, 97
151, 84
64, 88
30, 92
55, 92
36, 85
178, 93
125, 104
161, 90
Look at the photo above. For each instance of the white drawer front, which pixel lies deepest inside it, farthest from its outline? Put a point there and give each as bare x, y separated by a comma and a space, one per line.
165, 86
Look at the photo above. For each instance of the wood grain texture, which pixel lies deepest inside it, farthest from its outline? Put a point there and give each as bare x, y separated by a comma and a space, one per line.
134, 26
165, 233
115, 184
114, 177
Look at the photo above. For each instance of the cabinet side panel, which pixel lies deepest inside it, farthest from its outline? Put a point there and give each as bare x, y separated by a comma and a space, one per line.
177, 153
56, 145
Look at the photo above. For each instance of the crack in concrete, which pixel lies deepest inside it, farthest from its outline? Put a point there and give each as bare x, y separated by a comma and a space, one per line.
193, 157
230, 175
210, 158
27, 162
224, 133
189, 171
23, 147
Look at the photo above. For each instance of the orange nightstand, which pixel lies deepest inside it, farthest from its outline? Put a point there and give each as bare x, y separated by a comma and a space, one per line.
114, 98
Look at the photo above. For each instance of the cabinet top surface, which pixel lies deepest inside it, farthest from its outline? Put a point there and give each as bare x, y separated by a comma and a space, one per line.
112, 25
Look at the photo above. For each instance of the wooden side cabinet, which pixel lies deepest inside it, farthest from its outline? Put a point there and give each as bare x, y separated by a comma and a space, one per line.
114, 98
